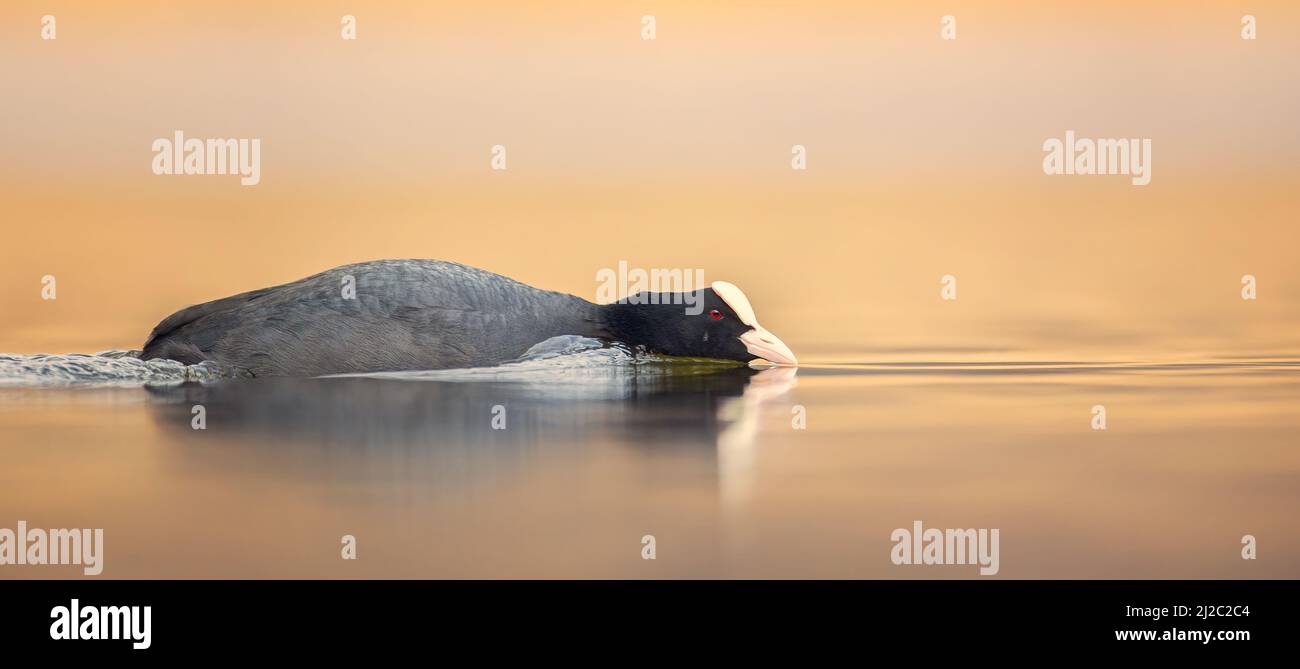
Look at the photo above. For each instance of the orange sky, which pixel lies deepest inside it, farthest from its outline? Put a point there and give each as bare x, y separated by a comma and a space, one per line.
924, 160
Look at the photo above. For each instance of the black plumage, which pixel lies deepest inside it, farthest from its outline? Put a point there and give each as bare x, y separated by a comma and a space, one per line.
423, 314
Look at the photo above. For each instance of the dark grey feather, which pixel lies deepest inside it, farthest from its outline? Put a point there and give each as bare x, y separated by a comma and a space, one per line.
407, 314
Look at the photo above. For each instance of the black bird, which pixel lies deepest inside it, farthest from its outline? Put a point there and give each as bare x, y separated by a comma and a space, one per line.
393, 315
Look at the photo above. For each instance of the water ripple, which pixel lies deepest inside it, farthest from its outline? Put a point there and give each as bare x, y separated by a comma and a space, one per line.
555, 360
107, 368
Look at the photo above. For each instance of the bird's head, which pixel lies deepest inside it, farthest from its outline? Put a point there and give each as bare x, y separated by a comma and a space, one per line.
715, 322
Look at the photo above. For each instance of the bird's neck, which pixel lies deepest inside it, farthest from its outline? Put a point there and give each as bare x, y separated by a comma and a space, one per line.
654, 326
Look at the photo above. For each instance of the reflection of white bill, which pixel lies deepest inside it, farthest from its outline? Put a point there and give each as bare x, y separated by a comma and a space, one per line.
736, 442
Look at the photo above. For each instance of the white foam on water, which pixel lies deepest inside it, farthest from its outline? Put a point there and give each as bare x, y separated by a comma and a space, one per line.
108, 368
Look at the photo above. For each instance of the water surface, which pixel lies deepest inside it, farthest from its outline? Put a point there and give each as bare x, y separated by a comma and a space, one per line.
602, 447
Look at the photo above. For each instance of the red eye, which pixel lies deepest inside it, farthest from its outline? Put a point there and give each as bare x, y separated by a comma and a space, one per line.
715, 315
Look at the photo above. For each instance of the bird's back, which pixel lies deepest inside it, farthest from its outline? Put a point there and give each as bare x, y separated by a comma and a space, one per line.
384, 315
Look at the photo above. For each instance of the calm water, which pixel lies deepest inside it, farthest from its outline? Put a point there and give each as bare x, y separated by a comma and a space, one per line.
602, 447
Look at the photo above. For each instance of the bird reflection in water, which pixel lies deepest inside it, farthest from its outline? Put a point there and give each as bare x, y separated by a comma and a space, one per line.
439, 431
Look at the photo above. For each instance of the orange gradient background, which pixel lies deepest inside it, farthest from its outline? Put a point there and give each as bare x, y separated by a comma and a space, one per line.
924, 159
